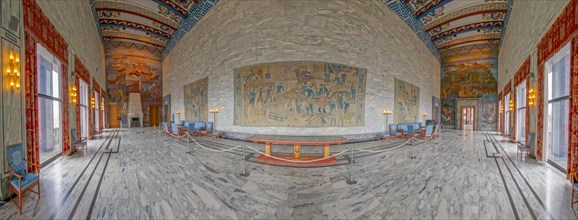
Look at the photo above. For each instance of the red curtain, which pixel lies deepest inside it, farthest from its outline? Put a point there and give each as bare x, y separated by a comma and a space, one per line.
31, 103
573, 127
65, 103
513, 113
540, 107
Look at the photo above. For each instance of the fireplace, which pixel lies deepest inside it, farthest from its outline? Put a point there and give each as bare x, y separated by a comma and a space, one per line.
135, 114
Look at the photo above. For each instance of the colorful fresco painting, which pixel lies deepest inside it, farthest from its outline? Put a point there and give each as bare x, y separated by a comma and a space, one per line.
128, 70
196, 100
470, 76
300, 94
406, 102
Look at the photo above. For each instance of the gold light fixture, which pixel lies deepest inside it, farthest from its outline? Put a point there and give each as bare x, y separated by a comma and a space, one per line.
387, 112
12, 72
92, 105
73, 94
214, 110
531, 97
511, 105
101, 105
501, 109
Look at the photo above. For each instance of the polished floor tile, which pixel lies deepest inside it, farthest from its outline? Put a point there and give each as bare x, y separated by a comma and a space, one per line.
136, 173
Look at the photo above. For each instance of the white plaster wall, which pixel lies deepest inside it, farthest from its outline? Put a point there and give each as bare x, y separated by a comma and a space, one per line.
364, 34
74, 20
528, 22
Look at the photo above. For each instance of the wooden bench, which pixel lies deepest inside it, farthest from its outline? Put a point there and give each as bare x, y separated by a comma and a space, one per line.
297, 142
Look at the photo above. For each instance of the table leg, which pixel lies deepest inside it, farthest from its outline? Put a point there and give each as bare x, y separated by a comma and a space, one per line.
326, 151
268, 149
296, 152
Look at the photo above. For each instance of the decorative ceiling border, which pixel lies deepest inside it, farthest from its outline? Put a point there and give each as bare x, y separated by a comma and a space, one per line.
121, 35
469, 27
129, 45
469, 49
472, 10
96, 18
485, 37
133, 9
403, 11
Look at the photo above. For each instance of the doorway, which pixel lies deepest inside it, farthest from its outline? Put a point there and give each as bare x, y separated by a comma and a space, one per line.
155, 115
83, 109
468, 118
114, 117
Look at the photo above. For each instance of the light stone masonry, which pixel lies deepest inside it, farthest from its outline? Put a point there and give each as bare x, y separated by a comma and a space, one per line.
363, 34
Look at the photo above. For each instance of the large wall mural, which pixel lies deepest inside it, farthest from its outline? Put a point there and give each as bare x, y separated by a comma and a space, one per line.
129, 70
196, 100
406, 102
470, 76
300, 94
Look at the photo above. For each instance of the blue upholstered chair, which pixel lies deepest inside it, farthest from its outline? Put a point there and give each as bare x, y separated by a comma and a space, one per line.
416, 126
21, 180
191, 127
428, 132
410, 131
436, 133
208, 129
394, 132
76, 141
175, 131
383, 136
525, 147
218, 134
402, 128
199, 125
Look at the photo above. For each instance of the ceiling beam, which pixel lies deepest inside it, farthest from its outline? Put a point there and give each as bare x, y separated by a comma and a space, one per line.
137, 14
133, 25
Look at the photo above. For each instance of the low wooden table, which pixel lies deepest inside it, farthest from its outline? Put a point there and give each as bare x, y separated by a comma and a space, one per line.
297, 142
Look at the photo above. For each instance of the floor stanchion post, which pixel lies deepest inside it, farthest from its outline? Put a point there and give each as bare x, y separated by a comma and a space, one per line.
189, 144
244, 173
350, 181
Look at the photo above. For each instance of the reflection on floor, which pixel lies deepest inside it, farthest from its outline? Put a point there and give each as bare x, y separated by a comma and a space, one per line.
136, 174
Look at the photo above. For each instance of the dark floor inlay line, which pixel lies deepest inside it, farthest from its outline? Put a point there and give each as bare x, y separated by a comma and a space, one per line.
95, 196
80, 175
524, 178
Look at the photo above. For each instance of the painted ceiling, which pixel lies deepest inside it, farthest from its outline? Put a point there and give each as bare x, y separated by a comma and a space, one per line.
157, 24
452, 27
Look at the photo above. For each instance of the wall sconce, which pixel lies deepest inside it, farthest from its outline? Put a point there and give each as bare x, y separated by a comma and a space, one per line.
214, 110
73, 94
387, 112
92, 105
511, 105
531, 97
501, 109
12, 72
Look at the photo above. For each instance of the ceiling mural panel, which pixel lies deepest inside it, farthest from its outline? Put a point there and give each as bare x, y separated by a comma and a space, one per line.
158, 24
458, 25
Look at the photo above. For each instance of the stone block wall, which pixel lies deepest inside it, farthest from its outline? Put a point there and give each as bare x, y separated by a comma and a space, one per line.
363, 34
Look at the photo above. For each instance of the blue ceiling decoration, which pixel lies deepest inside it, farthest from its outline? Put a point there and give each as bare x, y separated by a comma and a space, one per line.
403, 11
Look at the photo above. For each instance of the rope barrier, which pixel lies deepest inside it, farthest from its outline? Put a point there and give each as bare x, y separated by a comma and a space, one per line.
200, 145
189, 137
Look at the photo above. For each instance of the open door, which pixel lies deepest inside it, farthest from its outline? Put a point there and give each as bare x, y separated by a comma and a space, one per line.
114, 116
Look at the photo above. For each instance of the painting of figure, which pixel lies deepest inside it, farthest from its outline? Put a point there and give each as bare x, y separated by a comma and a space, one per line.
196, 100
470, 76
133, 70
406, 102
300, 94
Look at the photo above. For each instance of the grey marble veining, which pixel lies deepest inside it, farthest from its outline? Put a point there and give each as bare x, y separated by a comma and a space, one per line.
153, 177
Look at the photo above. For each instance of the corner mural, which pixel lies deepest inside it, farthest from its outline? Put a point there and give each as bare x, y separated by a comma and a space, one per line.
128, 70
470, 76
300, 94
196, 100
406, 102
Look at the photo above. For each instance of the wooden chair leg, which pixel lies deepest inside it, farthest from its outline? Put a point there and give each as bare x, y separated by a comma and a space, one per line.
20, 202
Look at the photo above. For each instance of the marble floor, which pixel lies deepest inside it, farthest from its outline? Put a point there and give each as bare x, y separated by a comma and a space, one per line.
132, 174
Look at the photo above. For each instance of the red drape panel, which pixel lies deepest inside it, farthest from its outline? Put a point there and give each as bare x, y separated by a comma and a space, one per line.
513, 114
573, 104
32, 152
65, 103
540, 107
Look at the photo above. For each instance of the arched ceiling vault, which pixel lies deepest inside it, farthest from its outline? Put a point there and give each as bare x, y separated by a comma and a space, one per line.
451, 27
157, 24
